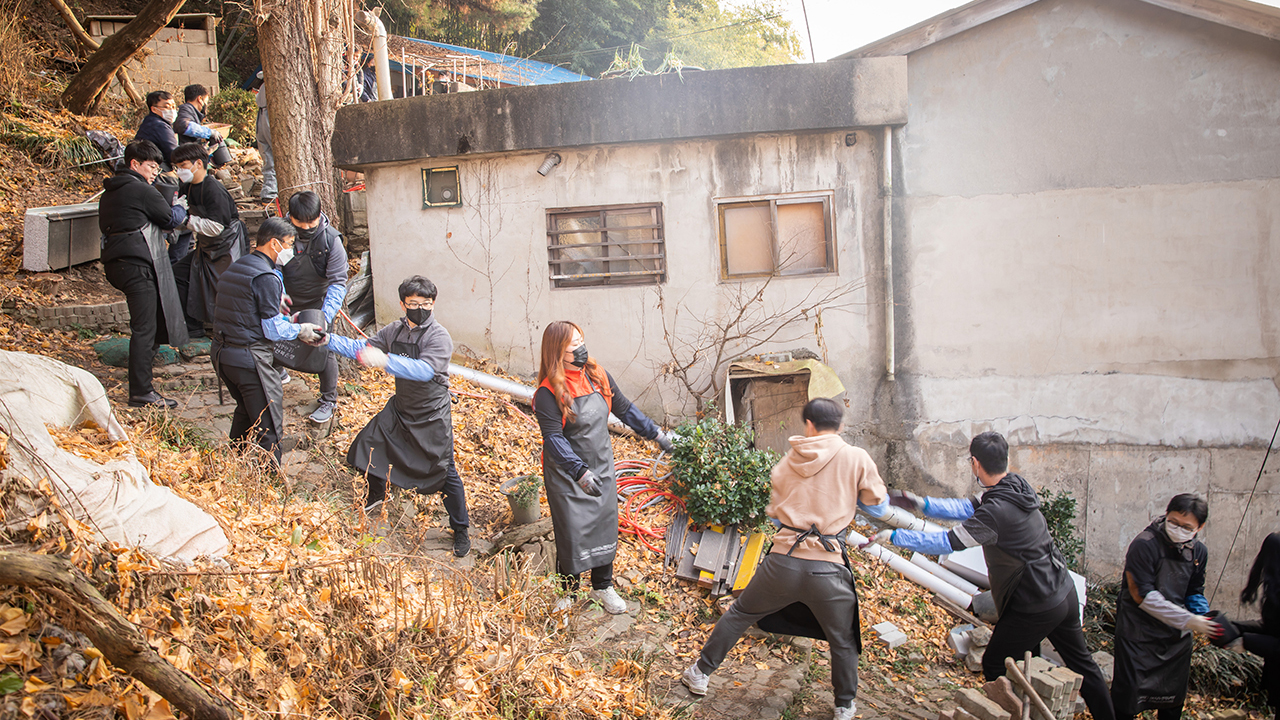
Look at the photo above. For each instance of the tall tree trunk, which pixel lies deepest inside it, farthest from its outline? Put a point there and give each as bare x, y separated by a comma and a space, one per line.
301, 44
91, 46
83, 90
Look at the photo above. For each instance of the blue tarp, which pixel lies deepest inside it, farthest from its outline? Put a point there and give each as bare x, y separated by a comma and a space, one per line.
530, 72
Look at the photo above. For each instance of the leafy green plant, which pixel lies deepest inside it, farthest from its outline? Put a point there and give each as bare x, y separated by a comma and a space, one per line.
1059, 510
525, 492
720, 477
239, 109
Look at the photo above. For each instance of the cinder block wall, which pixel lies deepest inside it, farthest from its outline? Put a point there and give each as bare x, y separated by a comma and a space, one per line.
178, 56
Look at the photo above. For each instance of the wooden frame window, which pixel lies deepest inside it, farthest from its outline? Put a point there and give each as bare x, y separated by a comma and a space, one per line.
606, 245
440, 187
776, 235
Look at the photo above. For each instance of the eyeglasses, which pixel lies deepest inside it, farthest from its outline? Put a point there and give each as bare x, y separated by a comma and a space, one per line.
420, 306
1175, 523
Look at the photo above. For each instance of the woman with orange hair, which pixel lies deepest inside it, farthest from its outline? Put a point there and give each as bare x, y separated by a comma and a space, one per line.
573, 401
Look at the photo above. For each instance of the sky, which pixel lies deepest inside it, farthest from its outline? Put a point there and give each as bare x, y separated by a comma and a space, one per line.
839, 26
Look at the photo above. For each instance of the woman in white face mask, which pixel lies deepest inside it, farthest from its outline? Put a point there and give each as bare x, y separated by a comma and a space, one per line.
1161, 603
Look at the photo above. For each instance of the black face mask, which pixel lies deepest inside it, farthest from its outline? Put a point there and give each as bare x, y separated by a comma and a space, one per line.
304, 234
580, 355
418, 316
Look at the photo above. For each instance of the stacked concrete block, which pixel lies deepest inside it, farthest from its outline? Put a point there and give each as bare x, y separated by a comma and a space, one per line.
102, 318
1057, 686
179, 56
890, 634
980, 706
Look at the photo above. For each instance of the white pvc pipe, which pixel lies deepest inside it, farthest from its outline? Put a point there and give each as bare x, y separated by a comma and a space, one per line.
519, 391
381, 65
903, 519
909, 571
944, 574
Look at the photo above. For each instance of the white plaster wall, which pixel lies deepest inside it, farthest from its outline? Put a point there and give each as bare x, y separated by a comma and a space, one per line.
489, 256
1090, 260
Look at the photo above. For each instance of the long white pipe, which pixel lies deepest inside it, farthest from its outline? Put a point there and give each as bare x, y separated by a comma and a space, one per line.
903, 519
519, 391
944, 574
909, 571
381, 65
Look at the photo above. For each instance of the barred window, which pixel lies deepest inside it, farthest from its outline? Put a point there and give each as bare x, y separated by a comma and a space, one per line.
606, 245
783, 235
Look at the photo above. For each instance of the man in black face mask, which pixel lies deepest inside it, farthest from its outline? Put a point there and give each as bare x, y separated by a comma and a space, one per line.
315, 278
410, 443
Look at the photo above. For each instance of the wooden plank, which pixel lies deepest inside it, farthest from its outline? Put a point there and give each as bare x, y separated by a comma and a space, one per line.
727, 555
957, 611
684, 568
710, 549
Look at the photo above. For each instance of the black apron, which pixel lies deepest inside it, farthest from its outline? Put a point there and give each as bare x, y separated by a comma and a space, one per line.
212, 258
267, 375
305, 284
174, 331
797, 619
586, 528
1153, 660
410, 442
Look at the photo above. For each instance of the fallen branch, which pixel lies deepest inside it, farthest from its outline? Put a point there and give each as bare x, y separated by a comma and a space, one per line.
91, 46
958, 612
109, 631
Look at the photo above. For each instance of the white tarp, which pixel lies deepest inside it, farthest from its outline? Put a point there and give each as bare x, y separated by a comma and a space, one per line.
117, 498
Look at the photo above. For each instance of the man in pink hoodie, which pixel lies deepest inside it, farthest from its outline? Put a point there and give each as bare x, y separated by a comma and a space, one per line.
817, 488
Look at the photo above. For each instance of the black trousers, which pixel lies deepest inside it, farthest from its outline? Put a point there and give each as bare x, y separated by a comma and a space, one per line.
455, 495
1266, 646
251, 416
182, 278
137, 280
329, 375
1017, 632
601, 578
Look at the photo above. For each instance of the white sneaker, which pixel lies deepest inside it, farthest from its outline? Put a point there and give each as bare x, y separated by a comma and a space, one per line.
845, 713
284, 376
695, 680
609, 600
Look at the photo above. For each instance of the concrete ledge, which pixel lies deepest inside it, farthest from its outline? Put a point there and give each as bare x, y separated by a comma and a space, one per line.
778, 99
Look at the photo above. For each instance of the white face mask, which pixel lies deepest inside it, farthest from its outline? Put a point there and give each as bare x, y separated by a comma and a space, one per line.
284, 257
185, 175
1177, 534
169, 115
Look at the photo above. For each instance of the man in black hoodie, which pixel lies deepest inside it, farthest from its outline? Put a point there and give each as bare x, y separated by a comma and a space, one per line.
316, 279
136, 262
189, 125
1034, 593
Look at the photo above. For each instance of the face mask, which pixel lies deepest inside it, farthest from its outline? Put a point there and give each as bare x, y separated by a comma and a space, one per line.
305, 233
418, 316
580, 355
185, 175
169, 115
1177, 534
284, 257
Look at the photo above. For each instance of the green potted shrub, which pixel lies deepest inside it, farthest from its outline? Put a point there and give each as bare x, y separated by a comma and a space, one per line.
522, 493
720, 477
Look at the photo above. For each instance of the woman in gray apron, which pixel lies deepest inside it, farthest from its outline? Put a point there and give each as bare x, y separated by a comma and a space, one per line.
1161, 603
572, 403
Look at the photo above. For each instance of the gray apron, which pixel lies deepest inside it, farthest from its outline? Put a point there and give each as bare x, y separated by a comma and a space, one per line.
175, 324
267, 375
212, 258
1153, 660
586, 528
410, 442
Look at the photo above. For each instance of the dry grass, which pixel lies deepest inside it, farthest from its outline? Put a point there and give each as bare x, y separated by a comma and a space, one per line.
17, 52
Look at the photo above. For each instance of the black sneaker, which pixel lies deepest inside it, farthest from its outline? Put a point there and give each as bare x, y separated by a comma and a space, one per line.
461, 543
152, 399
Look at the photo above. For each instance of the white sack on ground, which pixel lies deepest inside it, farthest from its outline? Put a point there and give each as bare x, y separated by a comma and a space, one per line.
117, 498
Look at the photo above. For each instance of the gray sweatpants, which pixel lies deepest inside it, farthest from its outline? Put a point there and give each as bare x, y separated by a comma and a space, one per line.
826, 587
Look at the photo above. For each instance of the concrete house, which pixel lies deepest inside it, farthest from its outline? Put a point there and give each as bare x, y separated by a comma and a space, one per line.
1052, 218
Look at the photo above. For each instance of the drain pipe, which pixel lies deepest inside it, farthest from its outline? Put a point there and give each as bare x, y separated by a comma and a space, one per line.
518, 391
900, 518
944, 574
886, 178
915, 574
381, 65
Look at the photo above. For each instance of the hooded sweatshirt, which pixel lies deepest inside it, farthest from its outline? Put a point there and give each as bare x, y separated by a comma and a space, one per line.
819, 482
1024, 565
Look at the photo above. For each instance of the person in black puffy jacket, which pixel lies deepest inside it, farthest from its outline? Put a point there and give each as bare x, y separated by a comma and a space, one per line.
1262, 638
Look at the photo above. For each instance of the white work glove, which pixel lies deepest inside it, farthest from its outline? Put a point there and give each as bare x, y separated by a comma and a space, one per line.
882, 537
1204, 626
664, 441
182, 202
906, 500
309, 333
370, 356
590, 484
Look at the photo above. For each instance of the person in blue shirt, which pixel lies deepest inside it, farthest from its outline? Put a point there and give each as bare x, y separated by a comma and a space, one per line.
188, 124
247, 320
410, 443
1035, 596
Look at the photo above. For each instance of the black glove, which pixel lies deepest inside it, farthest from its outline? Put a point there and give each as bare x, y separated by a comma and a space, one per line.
590, 484
907, 500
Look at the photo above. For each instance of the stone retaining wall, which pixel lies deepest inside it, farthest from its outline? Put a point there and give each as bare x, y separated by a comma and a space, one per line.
109, 317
